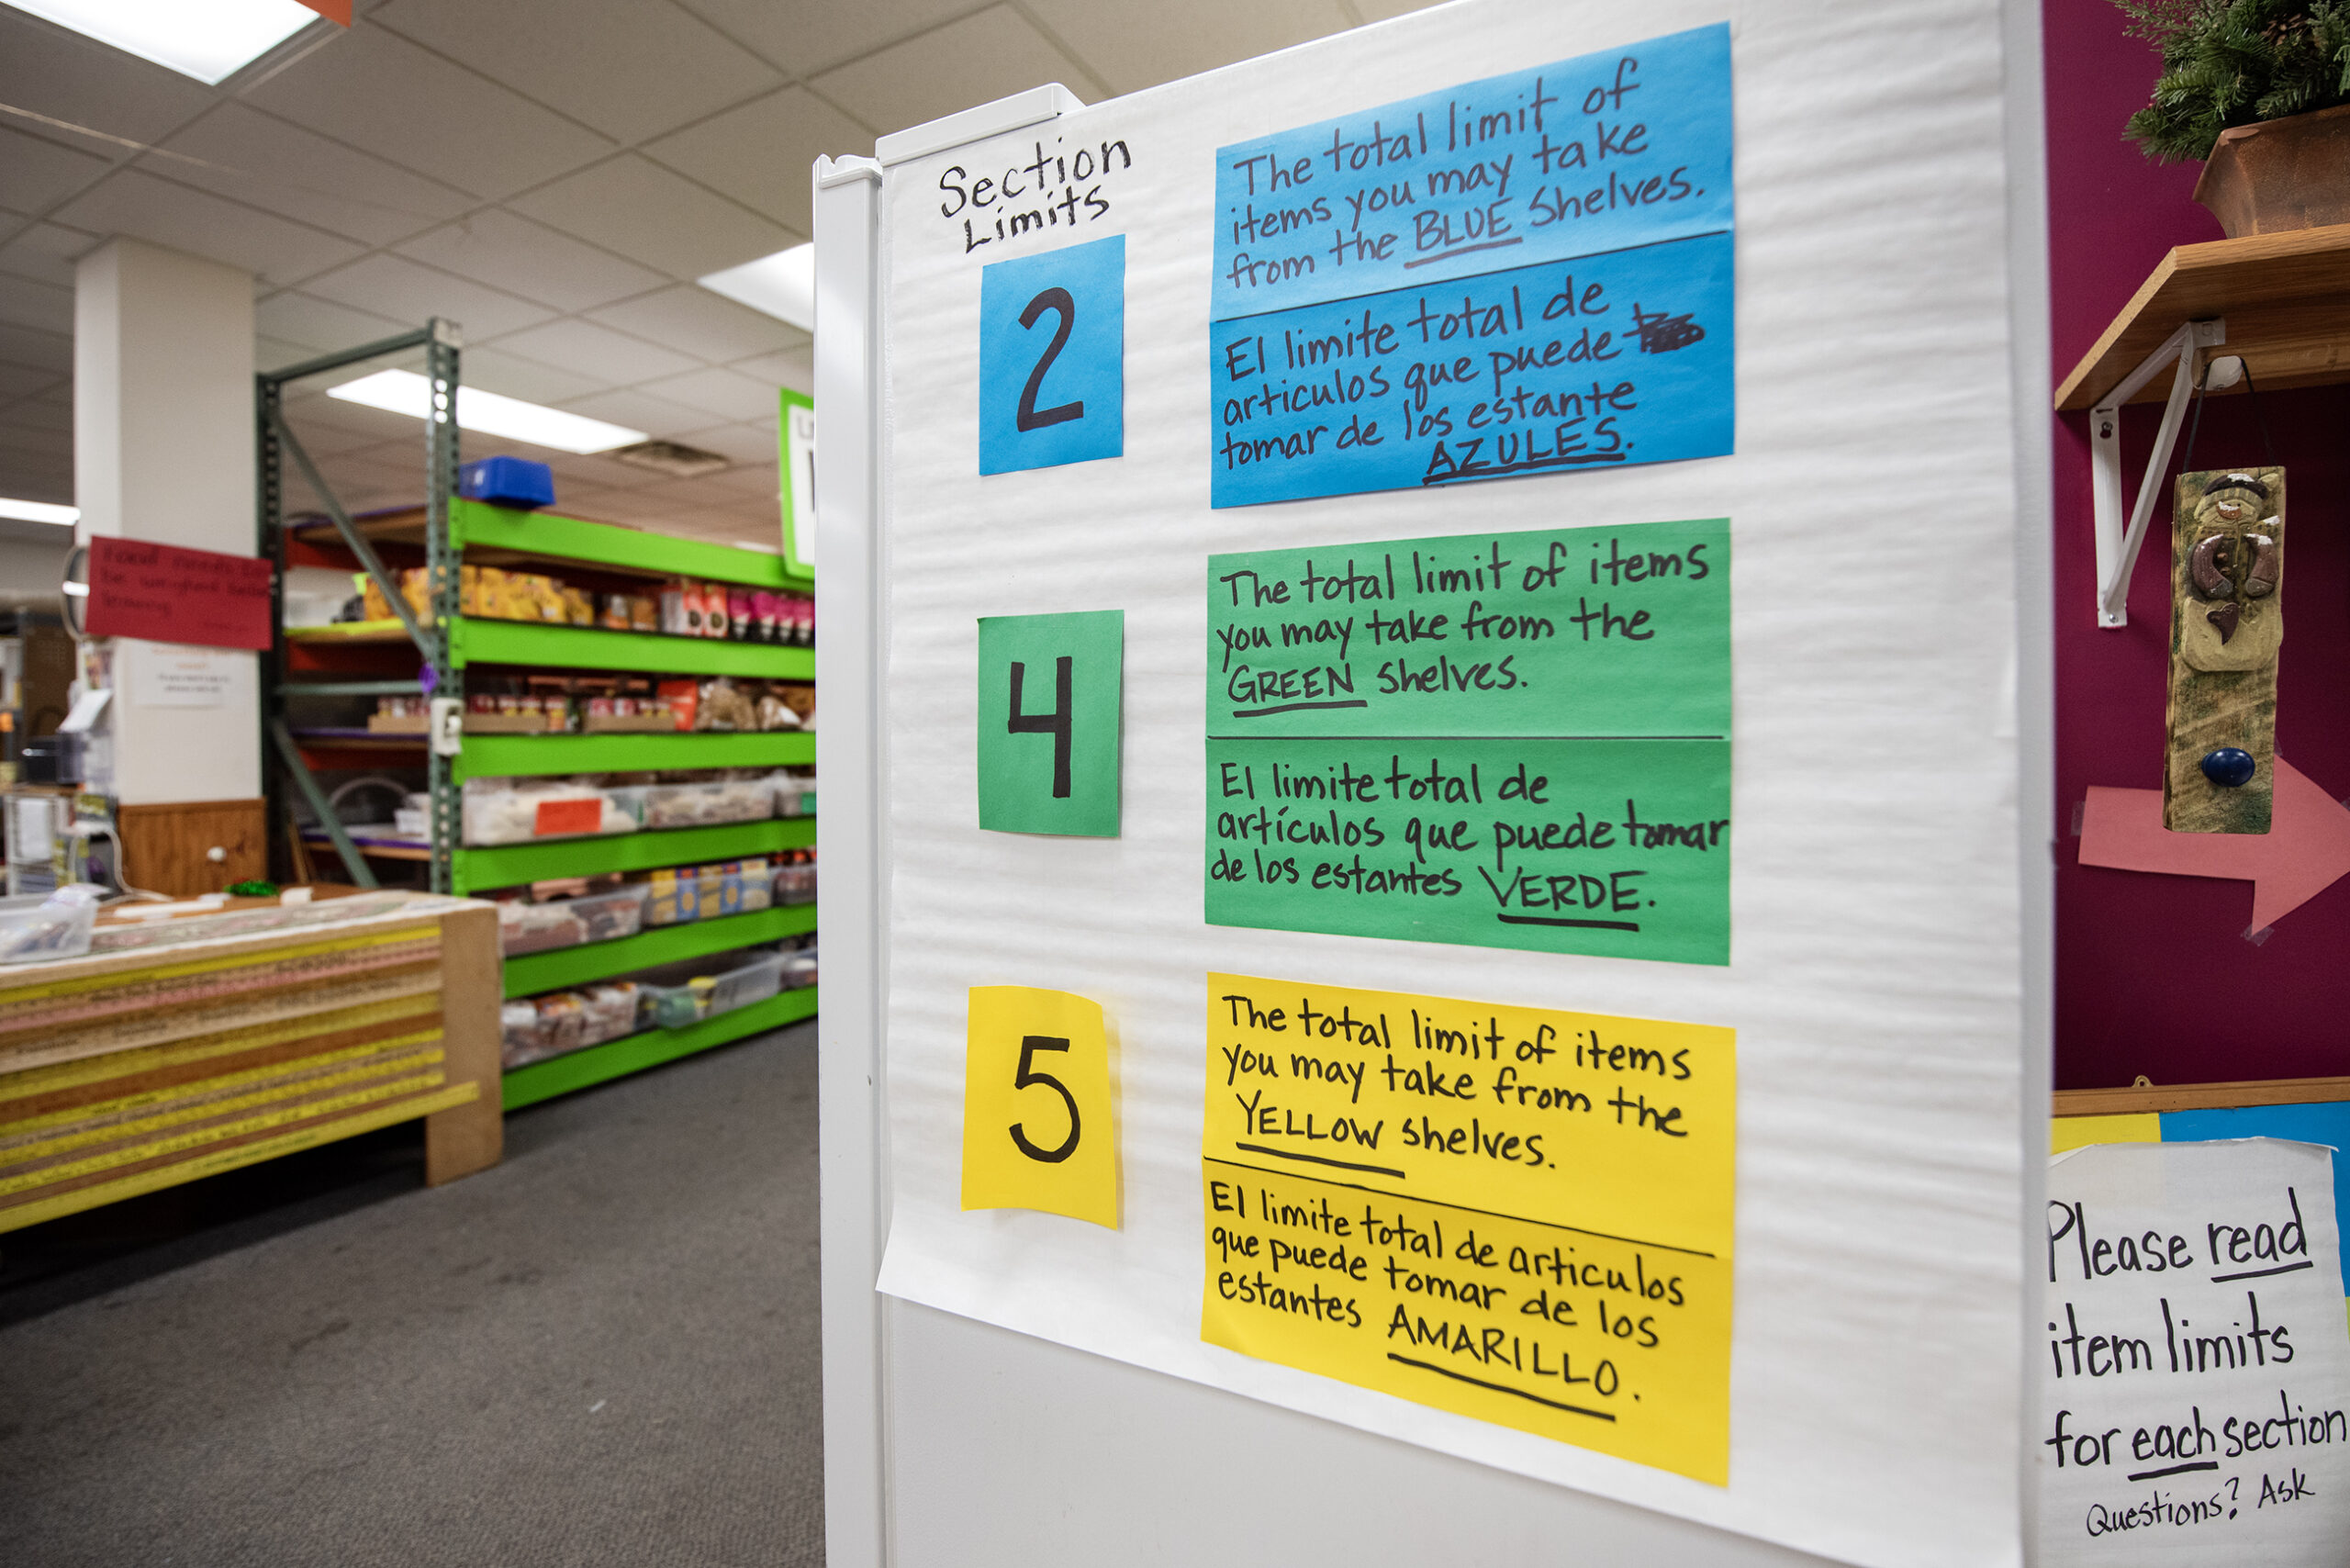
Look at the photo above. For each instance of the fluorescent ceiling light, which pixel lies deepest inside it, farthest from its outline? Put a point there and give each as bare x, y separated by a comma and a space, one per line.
39, 512
204, 39
406, 392
782, 285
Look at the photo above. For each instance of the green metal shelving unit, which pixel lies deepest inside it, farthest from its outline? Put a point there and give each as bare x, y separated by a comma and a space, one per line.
450, 531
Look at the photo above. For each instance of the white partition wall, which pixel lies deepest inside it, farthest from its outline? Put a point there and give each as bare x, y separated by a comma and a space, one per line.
1011, 1386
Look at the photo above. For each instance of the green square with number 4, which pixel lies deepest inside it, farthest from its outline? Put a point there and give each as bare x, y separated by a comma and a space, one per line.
1048, 722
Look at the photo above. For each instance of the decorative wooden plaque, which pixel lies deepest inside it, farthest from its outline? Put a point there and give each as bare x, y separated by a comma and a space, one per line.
2227, 623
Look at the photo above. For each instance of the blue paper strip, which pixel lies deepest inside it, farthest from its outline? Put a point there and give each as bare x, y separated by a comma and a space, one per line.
1621, 148
1602, 362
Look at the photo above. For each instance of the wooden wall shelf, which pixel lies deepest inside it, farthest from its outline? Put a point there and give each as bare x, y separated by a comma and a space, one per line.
2286, 298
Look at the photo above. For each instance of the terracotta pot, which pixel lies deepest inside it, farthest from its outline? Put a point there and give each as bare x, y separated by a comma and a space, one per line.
2281, 174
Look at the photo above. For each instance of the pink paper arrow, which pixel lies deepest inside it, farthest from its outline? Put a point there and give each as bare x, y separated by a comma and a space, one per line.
2305, 848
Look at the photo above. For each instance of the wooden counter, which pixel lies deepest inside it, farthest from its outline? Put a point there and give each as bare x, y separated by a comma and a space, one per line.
129, 1071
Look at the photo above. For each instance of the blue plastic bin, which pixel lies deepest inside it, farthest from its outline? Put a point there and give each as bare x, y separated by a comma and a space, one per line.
507, 482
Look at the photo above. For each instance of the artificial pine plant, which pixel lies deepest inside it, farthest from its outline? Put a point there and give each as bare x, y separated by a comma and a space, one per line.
2231, 62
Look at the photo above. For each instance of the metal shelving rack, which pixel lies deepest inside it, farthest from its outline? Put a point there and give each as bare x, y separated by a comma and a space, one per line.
449, 530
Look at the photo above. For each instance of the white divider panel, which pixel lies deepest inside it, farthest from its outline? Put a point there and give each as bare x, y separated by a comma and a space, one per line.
1876, 984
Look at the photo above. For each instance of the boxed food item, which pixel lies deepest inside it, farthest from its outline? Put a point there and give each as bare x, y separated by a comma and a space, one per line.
675, 894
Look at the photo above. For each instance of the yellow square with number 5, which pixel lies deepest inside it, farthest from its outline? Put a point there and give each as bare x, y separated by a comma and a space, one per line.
1039, 1125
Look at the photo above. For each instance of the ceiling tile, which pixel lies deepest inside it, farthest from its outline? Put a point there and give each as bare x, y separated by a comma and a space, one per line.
638, 410
55, 73
377, 91
41, 413
1380, 10
130, 202
793, 367
495, 370
321, 324
37, 174
746, 444
34, 440
760, 152
582, 348
1135, 46
692, 318
26, 303
40, 350
650, 214
24, 380
630, 69
376, 425
975, 61
272, 163
45, 252
588, 471
719, 392
760, 482
413, 293
322, 440
804, 39
531, 260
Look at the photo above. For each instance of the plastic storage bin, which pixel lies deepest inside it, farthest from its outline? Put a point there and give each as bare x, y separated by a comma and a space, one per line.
537, 1027
517, 810
706, 996
507, 482
55, 925
697, 805
794, 884
800, 970
567, 922
794, 796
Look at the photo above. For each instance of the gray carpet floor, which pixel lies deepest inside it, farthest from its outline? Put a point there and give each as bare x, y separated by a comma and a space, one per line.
603, 1352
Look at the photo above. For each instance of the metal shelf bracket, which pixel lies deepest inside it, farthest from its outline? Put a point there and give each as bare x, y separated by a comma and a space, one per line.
2116, 551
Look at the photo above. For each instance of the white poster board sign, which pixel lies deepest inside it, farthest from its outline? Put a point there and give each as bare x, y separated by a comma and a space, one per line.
1875, 970
2196, 1403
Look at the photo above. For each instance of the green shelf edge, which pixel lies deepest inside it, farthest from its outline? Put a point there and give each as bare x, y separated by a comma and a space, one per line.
509, 864
507, 756
486, 642
531, 973
652, 1047
601, 543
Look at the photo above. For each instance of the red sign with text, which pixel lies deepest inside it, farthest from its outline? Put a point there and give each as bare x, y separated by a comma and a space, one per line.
170, 595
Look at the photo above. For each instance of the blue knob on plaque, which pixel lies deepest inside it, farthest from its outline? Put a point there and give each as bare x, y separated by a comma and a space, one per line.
2229, 766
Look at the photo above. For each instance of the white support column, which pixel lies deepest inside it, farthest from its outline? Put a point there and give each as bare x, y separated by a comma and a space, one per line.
164, 453
854, 1196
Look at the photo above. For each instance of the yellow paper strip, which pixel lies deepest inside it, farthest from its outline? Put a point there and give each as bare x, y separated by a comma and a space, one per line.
146, 1059
213, 1164
214, 1135
24, 1143
427, 938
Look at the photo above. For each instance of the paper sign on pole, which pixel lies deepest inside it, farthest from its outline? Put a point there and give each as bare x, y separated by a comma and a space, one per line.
2196, 1395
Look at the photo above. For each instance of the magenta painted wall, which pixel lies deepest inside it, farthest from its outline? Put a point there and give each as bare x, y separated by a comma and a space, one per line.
2153, 973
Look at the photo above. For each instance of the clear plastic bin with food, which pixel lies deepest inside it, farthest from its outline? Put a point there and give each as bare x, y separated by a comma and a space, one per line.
535, 1028
539, 926
519, 810
697, 804
724, 981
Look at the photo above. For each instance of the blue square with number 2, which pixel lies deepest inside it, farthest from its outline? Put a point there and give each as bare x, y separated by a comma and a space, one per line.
1052, 358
